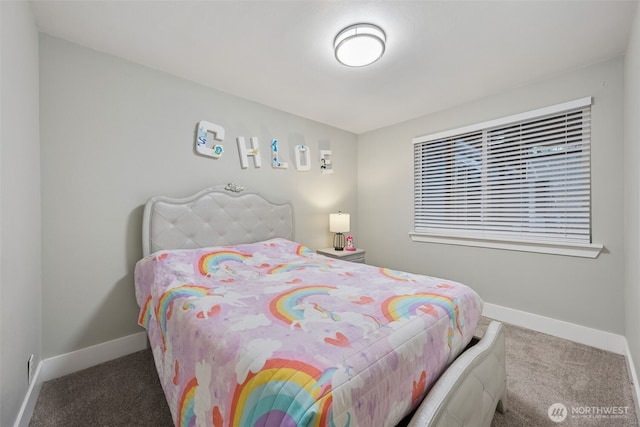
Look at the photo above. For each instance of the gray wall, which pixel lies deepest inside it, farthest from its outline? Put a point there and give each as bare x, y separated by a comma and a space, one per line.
115, 133
583, 291
20, 328
632, 192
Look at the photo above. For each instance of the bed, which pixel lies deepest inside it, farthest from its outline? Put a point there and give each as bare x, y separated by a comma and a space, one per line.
250, 328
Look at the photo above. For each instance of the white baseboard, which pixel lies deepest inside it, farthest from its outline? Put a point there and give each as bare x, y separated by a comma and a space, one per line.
75, 361
58, 366
634, 377
30, 399
581, 334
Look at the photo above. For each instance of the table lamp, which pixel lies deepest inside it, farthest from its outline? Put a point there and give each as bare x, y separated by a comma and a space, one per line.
338, 223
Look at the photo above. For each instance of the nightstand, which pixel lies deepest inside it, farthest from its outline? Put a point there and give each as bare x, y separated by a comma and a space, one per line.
353, 256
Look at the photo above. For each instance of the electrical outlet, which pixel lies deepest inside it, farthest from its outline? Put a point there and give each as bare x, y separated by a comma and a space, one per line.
29, 365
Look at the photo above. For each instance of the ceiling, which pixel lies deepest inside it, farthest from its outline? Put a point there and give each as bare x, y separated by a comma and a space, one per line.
439, 53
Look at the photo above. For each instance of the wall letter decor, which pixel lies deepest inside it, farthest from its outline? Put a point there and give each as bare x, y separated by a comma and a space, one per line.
245, 153
275, 158
204, 129
303, 158
325, 162
209, 133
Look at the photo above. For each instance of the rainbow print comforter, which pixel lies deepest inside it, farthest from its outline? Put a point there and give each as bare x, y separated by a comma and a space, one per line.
272, 334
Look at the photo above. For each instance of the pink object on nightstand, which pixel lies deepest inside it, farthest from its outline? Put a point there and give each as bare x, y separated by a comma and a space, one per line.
350, 246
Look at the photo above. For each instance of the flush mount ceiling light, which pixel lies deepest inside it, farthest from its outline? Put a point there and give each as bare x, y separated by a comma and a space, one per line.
359, 45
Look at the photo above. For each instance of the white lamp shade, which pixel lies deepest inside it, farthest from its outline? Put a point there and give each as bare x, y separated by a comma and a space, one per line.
339, 222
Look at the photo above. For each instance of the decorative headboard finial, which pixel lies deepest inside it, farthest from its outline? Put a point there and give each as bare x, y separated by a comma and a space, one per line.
232, 186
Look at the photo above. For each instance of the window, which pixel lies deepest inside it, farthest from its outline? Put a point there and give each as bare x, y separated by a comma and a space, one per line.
521, 182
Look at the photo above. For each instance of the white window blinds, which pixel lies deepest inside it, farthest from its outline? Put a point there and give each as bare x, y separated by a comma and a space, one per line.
522, 177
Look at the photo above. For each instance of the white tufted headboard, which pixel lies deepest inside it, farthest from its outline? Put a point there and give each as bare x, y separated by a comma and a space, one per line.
213, 217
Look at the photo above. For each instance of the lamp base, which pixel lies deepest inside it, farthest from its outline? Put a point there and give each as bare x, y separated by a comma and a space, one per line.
338, 242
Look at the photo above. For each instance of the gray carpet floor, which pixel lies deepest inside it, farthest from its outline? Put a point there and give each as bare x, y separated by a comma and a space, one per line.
541, 371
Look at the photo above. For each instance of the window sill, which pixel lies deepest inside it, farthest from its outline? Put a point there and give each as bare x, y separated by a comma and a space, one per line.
569, 249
